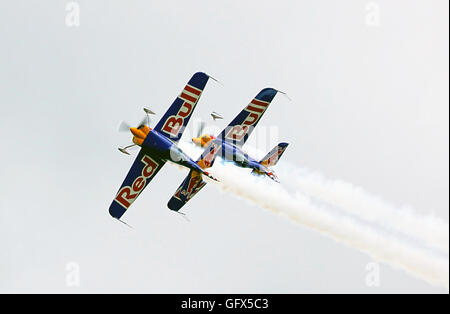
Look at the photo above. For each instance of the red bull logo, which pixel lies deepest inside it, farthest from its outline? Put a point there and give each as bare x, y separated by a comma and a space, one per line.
173, 124
194, 185
256, 108
128, 194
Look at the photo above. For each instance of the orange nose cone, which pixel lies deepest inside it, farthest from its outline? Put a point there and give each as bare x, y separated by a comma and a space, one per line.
138, 141
197, 141
138, 133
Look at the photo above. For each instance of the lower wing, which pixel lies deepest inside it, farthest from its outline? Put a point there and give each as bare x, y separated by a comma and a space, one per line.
193, 183
188, 188
141, 173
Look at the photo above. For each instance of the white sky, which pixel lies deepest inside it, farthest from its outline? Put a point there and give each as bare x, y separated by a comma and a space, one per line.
369, 106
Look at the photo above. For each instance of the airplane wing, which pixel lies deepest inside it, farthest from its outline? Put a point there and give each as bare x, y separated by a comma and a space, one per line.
141, 173
175, 120
242, 126
188, 188
193, 183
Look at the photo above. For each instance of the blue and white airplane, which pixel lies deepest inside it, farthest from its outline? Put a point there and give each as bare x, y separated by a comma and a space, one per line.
228, 145
159, 145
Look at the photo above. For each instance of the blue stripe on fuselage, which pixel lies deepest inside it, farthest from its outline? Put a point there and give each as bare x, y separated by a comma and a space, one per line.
230, 152
158, 145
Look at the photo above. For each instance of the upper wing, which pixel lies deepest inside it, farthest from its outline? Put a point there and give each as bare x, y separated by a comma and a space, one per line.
141, 173
173, 123
242, 126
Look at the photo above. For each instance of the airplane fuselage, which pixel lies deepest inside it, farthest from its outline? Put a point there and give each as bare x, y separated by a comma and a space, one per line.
160, 146
232, 153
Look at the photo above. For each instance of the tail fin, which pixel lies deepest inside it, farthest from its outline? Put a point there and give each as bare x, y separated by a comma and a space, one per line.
206, 160
274, 155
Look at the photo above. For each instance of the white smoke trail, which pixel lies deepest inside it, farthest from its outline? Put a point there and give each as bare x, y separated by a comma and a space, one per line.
388, 248
431, 230
354, 200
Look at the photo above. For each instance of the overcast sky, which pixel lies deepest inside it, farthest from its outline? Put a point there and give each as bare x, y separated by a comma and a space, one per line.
369, 87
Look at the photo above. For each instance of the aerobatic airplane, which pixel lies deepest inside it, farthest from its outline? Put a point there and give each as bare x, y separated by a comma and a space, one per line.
159, 145
228, 144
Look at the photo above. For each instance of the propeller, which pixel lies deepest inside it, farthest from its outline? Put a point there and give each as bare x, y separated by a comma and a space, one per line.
145, 121
200, 128
148, 112
125, 126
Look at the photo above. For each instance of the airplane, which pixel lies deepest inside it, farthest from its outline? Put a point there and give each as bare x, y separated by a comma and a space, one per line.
229, 143
159, 145
216, 116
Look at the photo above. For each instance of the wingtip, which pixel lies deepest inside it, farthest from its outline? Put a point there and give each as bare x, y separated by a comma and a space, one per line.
285, 94
129, 226
214, 79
